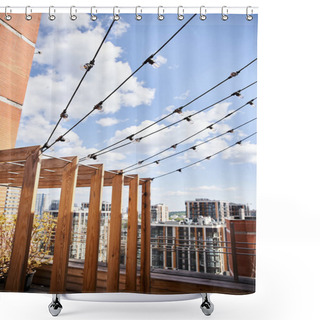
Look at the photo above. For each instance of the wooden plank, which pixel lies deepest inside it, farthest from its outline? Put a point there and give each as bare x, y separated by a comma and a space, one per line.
132, 235
115, 235
145, 237
17, 154
22, 237
63, 231
93, 232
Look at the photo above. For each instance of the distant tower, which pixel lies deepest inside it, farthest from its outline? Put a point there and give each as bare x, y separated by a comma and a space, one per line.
17, 37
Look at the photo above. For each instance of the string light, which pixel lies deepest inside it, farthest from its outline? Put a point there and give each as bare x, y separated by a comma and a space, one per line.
206, 158
149, 60
238, 94
182, 151
98, 106
88, 67
64, 115
178, 110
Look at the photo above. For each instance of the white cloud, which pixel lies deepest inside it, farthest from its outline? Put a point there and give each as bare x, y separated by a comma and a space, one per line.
160, 59
119, 28
183, 96
106, 122
246, 152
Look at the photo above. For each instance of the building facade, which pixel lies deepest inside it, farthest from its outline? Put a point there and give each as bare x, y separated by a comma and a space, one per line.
189, 247
41, 203
18, 37
159, 213
217, 210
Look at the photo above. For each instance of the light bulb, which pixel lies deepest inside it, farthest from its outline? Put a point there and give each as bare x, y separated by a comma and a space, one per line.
189, 119
238, 94
251, 103
137, 140
98, 106
234, 74
178, 110
153, 63
64, 115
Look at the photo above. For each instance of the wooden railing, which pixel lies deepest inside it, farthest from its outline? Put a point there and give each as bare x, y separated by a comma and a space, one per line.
26, 168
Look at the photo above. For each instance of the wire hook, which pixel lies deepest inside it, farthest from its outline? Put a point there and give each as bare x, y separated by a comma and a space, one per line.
249, 17
138, 16
160, 16
51, 16
224, 16
93, 16
28, 16
116, 16
180, 15
73, 17
203, 13
7, 16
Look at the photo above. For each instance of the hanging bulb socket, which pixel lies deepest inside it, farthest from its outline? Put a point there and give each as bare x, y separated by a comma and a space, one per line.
131, 137
92, 156
194, 148
157, 161
61, 138
239, 142
238, 94
251, 103
137, 139
140, 162
98, 106
208, 158
178, 110
174, 146
230, 131
179, 170
64, 115
233, 74
152, 62
88, 66
188, 119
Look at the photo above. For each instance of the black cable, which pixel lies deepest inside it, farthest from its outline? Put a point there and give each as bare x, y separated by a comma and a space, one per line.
189, 148
178, 110
188, 118
99, 105
89, 66
206, 158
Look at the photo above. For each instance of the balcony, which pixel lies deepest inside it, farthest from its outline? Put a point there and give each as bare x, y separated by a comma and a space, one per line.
187, 254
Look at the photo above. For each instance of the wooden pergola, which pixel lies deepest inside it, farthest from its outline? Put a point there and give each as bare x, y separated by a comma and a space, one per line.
28, 169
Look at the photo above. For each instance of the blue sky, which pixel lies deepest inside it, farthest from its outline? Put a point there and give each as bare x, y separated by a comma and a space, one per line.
201, 55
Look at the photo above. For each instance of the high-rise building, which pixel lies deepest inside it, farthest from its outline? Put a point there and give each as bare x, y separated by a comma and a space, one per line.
12, 198
190, 247
54, 205
217, 210
41, 203
159, 213
17, 37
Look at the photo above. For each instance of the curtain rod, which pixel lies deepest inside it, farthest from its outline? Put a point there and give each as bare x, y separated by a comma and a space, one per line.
126, 9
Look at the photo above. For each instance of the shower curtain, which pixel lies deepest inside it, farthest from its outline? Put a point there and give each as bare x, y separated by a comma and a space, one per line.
128, 152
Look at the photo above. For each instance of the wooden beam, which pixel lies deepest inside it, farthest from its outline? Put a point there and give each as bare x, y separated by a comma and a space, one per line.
63, 231
17, 154
93, 232
22, 236
145, 237
132, 236
114, 231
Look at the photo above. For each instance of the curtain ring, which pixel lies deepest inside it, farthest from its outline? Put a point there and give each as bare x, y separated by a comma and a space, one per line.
116, 16
160, 16
138, 16
180, 15
28, 16
249, 17
51, 16
73, 17
203, 13
93, 16
7, 16
224, 16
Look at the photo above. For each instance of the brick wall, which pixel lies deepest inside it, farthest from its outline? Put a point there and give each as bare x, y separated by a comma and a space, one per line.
17, 37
